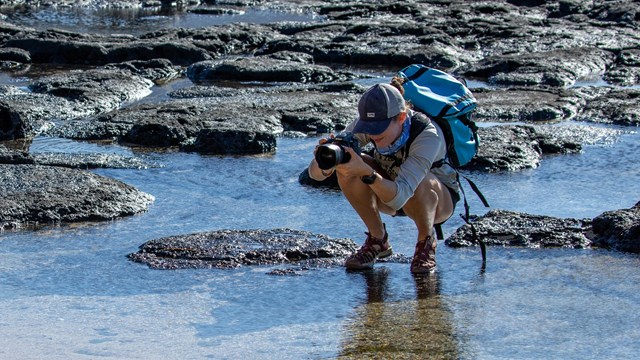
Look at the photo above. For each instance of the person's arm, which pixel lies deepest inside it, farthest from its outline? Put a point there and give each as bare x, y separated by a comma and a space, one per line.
424, 151
314, 170
316, 173
385, 189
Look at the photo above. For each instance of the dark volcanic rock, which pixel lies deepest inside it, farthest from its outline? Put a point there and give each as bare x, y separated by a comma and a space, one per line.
225, 249
517, 147
96, 91
195, 124
33, 195
330, 182
75, 160
66, 96
527, 104
23, 115
14, 54
265, 69
619, 229
231, 141
216, 120
613, 106
508, 228
510, 148
9, 156
83, 49
559, 68
157, 70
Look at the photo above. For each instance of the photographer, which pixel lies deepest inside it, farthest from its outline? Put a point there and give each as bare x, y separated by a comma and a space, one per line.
394, 180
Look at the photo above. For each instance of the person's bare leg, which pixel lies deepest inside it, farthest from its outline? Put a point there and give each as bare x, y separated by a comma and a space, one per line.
366, 204
363, 200
431, 204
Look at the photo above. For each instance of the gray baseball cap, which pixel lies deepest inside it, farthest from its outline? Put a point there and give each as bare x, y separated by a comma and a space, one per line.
377, 106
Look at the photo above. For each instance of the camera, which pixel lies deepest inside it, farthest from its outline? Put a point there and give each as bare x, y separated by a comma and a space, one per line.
332, 152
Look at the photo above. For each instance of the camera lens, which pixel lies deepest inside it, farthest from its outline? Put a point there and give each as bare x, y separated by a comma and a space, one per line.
329, 155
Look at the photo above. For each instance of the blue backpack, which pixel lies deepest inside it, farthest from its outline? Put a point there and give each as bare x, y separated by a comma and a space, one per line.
449, 103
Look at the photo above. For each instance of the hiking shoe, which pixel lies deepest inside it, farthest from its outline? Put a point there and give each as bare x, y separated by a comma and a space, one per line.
366, 256
424, 258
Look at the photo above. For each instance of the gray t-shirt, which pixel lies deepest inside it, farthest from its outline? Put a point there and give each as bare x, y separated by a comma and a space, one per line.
427, 148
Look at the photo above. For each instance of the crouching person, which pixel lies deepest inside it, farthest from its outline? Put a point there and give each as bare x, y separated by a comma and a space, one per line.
399, 178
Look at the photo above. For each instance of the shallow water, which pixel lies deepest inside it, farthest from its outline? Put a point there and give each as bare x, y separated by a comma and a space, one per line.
138, 21
70, 293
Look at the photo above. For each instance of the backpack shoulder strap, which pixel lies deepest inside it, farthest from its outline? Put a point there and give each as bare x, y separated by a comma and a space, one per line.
419, 122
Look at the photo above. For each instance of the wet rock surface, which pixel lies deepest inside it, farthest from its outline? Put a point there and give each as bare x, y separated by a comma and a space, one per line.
35, 195
210, 121
517, 147
264, 69
66, 96
508, 228
225, 249
617, 229
73, 160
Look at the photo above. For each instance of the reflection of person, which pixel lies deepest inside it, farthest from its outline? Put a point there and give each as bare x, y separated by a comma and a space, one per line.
387, 326
395, 180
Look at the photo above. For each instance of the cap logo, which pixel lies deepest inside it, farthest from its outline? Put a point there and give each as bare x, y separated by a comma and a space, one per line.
371, 115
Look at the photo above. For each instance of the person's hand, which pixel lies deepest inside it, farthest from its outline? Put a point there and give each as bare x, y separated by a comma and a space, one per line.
355, 167
320, 143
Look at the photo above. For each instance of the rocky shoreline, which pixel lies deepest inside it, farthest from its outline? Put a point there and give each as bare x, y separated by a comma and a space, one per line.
534, 62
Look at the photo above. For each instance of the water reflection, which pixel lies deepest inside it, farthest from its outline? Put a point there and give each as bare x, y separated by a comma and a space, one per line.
405, 329
138, 21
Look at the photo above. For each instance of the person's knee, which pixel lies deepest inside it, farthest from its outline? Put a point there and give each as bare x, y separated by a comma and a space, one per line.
426, 192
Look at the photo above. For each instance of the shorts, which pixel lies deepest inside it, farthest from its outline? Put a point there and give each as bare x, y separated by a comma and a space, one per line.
455, 197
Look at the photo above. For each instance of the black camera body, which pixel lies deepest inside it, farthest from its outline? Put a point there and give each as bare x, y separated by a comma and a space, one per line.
332, 153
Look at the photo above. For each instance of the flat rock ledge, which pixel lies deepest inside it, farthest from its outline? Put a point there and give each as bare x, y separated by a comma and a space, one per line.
617, 230
36, 195
228, 249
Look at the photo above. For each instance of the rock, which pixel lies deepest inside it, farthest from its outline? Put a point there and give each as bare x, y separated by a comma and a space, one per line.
558, 68
517, 147
330, 182
231, 141
618, 229
226, 249
96, 91
263, 69
626, 71
15, 54
508, 228
509, 148
157, 70
9, 156
35, 195
66, 96
77, 161
527, 104
193, 124
65, 48
618, 106
215, 120
24, 115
